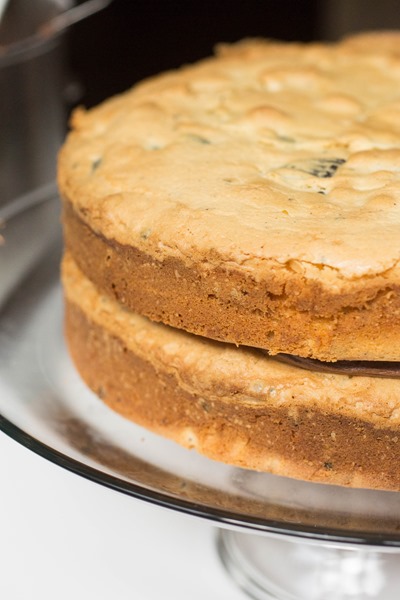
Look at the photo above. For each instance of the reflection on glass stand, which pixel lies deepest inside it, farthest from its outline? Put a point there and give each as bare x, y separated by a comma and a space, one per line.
269, 568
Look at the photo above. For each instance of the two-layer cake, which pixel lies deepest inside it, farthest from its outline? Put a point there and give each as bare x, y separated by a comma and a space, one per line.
231, 273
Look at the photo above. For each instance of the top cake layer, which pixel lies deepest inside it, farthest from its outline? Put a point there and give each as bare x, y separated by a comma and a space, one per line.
269, 152
277, 160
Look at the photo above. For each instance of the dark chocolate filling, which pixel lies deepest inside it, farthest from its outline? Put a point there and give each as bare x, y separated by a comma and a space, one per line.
361, 368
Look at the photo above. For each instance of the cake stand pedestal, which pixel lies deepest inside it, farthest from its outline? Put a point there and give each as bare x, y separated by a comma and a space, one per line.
272, 568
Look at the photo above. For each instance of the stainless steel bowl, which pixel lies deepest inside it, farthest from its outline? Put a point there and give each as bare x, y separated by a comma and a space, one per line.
33, 81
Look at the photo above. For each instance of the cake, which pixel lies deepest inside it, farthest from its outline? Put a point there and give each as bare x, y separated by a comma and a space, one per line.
231, 269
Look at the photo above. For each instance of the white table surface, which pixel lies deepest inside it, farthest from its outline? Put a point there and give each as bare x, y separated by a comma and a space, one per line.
63, 537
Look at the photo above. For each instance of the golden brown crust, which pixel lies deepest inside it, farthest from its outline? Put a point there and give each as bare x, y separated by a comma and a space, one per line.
225, 304
252, 198
265, 183
233, 405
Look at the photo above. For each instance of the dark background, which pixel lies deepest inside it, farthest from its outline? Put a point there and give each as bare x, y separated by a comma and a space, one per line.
132, 39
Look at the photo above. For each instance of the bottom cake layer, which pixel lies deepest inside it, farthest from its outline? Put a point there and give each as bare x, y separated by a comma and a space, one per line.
234, 405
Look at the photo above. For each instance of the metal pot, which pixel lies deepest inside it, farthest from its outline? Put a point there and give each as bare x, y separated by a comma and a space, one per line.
32, 85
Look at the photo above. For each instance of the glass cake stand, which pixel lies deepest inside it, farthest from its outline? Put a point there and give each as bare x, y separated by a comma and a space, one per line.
277, 537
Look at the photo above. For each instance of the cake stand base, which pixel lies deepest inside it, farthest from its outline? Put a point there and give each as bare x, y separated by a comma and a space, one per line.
272, 568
